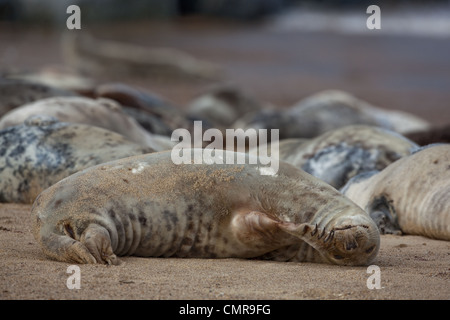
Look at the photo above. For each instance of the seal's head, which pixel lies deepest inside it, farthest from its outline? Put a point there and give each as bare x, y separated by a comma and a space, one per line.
351, 243
350, 239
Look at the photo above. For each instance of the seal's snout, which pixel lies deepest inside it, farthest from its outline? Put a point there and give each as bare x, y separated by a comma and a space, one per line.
355, 244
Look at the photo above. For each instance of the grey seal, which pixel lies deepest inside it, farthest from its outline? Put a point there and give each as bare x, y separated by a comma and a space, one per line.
338, 155
16, 92
328, 110
153, 112
107, 58
102, 112
59, 79
411, 196
42, 151
148, 206
222, 105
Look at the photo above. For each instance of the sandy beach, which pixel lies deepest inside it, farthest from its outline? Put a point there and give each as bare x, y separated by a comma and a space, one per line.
411, 267
394, 72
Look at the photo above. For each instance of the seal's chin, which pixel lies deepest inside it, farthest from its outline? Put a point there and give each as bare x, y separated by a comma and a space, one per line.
352, 245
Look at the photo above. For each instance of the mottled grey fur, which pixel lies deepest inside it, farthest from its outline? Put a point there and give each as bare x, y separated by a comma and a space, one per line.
329, 110
223, 105
152, 112
104, 113
412, 195
338, 155
42, 151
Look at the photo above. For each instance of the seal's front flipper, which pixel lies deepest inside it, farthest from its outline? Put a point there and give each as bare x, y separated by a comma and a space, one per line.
316, 237
298, 230
258, 228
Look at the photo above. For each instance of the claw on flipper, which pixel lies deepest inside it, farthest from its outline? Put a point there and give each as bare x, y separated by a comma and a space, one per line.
313, 233
322, 234
329, 237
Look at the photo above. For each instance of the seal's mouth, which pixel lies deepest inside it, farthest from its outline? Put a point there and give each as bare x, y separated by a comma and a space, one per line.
350, 245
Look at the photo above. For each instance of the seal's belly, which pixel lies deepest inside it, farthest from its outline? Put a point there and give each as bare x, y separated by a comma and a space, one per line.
155, 229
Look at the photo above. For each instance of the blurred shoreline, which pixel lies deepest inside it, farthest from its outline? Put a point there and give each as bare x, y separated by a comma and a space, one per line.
431, 20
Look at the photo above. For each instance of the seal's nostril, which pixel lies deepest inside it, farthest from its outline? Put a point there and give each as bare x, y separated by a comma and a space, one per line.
351, 245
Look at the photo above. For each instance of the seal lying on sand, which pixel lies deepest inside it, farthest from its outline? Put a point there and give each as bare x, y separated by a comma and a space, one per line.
412, 195
42, 151
329, 110
222, 105
338, 155
57, 77
153, 112
148, 206
103, 113
107, 58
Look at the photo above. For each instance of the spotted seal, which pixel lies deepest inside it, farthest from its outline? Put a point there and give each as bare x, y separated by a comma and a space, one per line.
412, 195
340, 154
148, 206
102, 112
328, 110
42, 151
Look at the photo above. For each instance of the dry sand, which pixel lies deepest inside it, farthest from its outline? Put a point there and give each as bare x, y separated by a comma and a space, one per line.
411, 267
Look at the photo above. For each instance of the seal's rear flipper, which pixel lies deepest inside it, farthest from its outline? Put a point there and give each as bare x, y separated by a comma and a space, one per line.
97, 240
94, 245
64, 248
